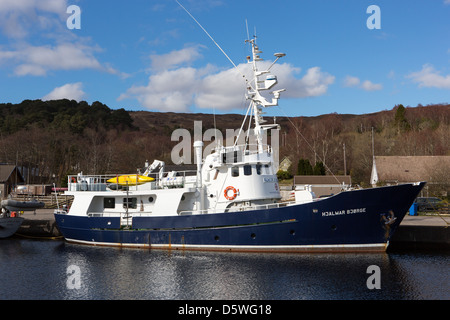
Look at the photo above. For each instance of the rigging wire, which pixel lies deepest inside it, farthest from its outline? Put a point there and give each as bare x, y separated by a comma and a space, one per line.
249, 84
309, 145
212, 39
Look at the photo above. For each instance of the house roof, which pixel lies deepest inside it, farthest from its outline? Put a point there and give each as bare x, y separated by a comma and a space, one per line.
413, 168
6, 170
324, 180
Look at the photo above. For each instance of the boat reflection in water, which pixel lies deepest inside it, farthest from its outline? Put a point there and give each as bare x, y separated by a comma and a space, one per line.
114, 273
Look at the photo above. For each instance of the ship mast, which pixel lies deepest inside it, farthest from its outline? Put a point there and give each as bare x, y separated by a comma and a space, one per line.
257, 100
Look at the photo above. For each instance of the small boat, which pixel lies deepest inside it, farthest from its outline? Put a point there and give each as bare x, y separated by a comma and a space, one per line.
130, 180
15, 205
10, 222
9, 225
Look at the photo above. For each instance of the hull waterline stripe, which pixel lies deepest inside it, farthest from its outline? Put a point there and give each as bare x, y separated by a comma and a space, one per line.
274, 248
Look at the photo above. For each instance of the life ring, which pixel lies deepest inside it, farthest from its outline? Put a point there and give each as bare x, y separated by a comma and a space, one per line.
233, 196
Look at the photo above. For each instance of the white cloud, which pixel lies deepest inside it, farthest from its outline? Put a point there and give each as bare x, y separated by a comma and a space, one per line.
175, 58
19, 18
71, 91
430, 78
350, 81
367, 85
170, 90
177, 88
314, 83
39, 60
370, 86
44, 21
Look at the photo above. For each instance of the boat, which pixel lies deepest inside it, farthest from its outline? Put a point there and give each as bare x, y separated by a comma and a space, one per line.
130, 179
16, 205
10, 221
232, 202
9, 225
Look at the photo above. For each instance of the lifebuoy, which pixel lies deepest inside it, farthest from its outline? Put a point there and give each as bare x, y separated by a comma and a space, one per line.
234, 193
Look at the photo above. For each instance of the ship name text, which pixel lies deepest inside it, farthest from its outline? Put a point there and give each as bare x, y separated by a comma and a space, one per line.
343, 212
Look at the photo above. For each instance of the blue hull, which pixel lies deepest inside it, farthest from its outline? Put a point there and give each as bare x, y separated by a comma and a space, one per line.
361, 220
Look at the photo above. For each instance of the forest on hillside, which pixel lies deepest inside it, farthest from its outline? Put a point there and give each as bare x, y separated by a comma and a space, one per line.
61, 137
402, 131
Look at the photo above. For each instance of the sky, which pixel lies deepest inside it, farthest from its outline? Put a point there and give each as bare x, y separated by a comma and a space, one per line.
342, 56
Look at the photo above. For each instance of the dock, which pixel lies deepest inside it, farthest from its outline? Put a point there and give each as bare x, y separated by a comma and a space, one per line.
421, 232
39, 224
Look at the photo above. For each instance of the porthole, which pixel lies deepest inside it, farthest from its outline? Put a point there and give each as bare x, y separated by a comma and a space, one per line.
253, 236
292, 232
150, 199
333, 227
216, 238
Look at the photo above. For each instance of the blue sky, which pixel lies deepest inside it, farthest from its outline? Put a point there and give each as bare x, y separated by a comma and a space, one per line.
150, 55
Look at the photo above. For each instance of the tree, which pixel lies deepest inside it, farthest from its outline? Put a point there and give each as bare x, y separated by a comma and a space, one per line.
400, 120
319, 169
304, 167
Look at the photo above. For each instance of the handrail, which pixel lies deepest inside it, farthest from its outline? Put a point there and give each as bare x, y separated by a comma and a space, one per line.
245, 208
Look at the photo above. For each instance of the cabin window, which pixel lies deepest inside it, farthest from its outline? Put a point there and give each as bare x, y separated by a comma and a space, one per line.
247, 170
109, 203
258, 169
130, 203
235, 171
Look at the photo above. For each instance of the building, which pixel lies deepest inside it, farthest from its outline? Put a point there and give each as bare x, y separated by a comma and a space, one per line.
435, 170
285, 164
10, 177
323, 185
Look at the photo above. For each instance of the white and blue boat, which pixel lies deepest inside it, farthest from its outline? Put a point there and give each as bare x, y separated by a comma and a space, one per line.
232, 202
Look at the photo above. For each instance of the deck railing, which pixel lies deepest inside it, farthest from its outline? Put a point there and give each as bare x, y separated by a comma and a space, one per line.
100, 182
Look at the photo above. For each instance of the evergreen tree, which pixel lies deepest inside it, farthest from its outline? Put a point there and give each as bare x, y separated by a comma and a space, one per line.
319, 169
400, 120
304, 167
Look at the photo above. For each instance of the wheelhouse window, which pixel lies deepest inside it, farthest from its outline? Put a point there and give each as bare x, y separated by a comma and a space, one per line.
258, 169
247, 170
109, 203
235, 171
130, 203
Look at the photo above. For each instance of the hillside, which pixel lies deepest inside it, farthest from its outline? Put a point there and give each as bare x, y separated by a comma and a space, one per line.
63, 137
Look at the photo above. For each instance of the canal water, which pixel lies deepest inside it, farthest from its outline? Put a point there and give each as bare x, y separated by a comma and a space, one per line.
35, 269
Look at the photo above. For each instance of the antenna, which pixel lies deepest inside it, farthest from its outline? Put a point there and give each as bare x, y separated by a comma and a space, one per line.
246, 27
213, 41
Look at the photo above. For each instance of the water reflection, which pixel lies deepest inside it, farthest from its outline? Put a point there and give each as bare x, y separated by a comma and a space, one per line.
40, 272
